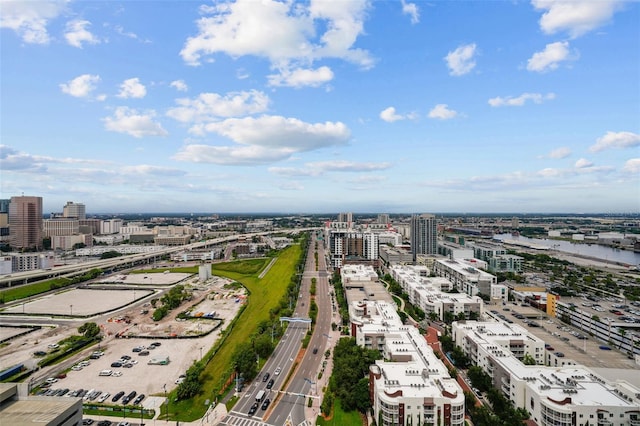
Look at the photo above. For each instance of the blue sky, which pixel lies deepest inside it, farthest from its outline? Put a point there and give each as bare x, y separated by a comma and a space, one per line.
320, 106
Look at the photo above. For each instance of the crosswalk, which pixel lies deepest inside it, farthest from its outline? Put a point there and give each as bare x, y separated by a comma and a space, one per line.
233, 419
239, 420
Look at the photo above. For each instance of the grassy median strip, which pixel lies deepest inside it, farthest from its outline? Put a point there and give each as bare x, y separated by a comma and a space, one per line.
265, 294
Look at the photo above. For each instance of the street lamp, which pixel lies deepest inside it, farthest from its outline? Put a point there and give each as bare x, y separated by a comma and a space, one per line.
71, 310
165, 397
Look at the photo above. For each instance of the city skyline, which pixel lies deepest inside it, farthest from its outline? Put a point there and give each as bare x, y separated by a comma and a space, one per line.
317, 107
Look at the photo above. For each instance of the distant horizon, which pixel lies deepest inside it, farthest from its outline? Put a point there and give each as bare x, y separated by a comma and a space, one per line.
471, 214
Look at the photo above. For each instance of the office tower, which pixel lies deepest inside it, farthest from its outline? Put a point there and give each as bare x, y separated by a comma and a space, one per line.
345, 217
424, 238
76, 210
383, 218
4, 205
25, 223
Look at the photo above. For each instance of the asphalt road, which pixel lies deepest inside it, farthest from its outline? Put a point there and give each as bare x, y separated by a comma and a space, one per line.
289, 400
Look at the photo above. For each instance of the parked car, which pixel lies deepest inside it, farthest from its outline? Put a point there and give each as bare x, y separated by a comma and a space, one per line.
117, 396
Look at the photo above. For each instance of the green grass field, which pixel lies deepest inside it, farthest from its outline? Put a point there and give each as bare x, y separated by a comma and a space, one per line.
341, 418
28, 290
265, 294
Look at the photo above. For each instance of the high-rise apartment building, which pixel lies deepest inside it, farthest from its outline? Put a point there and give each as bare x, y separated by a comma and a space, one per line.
424, 236
76, 210
25, 222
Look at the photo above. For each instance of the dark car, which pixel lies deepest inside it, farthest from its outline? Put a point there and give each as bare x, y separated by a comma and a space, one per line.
126, 357
315, 351
104, 423
129, 397
265, 377
39, 353
253, 408
266, 403
117, 396
270, 384
156, 344
87, 422
143, 353
139, 399
116, 364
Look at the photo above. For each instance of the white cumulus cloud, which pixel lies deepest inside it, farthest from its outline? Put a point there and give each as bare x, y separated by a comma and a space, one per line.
179, 85
442, 112
536, 98
582, 163
132, 88
29, 19
301, 77
632, 166
263, 140
212, 106
550, 57
76, 33
81, 86
134, 123
560, 153
412, 10
616, 140
462, 60
286, 33
577, 17
389, 115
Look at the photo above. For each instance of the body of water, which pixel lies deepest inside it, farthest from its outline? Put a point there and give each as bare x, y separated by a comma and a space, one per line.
593, 250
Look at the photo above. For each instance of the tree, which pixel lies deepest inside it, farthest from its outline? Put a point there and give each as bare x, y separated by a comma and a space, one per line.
190, 386
528, 360
89, 330
245, 360
262, 345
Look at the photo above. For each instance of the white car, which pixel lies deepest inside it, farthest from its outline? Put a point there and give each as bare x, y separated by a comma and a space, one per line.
117, 374
51, 380
278, 370
104, 396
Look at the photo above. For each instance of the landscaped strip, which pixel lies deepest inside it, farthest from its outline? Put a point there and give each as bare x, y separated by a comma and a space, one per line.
265, 295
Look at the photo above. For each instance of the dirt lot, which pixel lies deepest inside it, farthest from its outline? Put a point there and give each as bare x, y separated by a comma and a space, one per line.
208, 298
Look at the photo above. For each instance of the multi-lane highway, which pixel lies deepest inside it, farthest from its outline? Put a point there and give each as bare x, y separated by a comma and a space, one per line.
289, 397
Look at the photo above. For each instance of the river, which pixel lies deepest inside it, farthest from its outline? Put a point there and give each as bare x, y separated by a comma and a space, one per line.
593, 250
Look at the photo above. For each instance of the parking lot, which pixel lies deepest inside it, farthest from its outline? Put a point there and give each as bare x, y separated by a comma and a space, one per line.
563, 338
180, 341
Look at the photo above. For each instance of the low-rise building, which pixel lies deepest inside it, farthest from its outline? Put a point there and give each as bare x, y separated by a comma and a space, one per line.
18, 408
465, 276
568, 395
411, 385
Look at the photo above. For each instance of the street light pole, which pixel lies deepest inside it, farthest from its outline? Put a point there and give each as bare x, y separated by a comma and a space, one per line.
71, 310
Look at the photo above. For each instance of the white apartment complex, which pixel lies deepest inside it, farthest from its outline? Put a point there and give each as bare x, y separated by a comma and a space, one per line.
465, 275
431, 294
411, 385
569, 395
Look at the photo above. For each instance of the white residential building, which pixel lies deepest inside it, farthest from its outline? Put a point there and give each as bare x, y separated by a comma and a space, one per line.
569, 395
411, 385
110, 226
465, 276
431, 294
